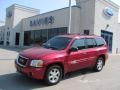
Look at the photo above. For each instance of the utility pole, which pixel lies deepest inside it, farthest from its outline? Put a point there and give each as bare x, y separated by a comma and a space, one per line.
70, 12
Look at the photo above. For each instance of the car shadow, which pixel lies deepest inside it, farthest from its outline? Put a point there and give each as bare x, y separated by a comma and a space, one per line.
16, 81
79, 73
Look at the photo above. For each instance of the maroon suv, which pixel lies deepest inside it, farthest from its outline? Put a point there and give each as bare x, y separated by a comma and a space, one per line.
62, 54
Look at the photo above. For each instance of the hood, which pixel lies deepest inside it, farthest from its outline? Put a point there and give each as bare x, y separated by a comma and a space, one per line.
37, 52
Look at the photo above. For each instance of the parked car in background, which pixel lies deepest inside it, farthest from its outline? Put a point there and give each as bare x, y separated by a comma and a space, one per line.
62, 54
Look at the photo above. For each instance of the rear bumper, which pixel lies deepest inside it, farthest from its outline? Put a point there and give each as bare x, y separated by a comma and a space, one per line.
36, 73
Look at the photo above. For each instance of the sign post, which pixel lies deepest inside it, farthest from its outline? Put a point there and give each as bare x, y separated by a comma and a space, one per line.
70, 12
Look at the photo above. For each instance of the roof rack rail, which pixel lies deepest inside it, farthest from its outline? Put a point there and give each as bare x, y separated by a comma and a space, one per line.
79, 34
88, 35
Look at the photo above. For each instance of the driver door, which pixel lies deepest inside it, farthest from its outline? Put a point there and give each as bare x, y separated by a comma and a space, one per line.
78, 59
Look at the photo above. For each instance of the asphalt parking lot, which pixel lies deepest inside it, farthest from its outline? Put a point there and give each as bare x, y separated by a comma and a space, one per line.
107, 79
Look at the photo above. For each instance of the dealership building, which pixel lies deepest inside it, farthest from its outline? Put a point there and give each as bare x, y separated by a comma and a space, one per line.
25, 26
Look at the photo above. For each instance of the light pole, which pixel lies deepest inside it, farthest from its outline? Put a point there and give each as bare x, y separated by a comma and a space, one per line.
70, 12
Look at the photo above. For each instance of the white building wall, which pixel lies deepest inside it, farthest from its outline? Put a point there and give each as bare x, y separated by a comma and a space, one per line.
2, 23
61, 19
76, 19
2, 29
87, 11
86, 15
101, 22
13, 23
21, 12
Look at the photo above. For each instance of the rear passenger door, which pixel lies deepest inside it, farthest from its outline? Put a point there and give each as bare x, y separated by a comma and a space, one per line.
91, 51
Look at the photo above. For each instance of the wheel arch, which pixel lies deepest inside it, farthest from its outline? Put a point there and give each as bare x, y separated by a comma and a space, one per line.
56, 63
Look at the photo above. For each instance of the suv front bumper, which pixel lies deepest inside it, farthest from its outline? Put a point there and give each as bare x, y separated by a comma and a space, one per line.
36, 73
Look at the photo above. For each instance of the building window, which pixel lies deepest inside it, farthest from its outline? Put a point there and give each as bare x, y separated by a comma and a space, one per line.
8, 33
27, 38
41, 36
32, 36
52, 33
86, 32
17, 37
37, 35
44, 36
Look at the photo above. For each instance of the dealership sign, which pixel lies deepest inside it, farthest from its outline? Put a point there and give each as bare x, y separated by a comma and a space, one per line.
42, 21
108, 12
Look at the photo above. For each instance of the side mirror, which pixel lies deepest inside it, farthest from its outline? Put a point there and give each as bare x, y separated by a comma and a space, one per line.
73, 49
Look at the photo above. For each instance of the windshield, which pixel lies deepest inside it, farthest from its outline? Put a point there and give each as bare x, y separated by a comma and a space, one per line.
57, 43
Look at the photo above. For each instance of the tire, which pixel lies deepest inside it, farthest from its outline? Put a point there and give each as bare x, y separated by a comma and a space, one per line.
99, 64
53, 75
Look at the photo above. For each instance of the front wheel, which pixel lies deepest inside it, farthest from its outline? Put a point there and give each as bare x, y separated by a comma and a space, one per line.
53, 75
99, 64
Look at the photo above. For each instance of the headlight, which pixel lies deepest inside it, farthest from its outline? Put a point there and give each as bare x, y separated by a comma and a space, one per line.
17, 58
36, 63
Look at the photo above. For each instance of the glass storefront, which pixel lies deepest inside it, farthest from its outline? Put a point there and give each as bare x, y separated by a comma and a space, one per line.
108, 36
41, 36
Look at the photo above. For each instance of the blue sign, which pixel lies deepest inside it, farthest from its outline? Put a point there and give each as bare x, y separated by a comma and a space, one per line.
42, 21
108, 12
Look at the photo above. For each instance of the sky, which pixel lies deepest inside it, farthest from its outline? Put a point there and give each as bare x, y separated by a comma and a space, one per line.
42, 5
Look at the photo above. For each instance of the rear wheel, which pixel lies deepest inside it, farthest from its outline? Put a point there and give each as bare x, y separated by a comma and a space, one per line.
53, 75
99, 64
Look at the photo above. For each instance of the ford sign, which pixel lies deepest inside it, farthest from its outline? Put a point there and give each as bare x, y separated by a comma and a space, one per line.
108, 12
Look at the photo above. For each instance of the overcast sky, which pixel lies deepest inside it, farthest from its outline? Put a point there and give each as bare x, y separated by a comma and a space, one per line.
43, 5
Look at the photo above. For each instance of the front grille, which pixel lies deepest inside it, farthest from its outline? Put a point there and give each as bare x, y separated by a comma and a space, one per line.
22, 61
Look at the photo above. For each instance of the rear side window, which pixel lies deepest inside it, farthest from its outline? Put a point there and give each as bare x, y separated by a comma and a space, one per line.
99, 41
90, 43
79, 44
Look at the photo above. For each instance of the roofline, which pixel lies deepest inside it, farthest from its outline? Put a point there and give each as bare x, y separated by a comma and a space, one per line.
3, 26
53, 11
2, 22
112, 3
25, 7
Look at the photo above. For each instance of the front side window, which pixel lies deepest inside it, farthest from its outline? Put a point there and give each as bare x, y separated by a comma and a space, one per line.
90, 43
57, 43
79, 44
